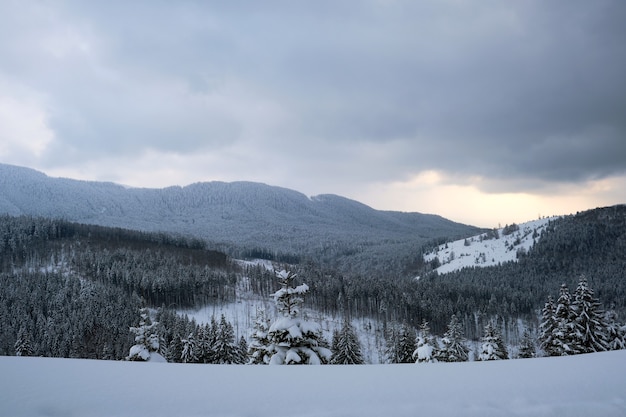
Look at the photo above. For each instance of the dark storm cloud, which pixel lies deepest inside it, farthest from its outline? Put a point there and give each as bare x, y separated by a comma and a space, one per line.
532, 92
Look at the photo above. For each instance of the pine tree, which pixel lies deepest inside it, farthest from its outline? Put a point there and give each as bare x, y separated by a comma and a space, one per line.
211, 332
564, 338
174, 349
258, 351
23, 345
591, 328
203, 344
189, 352
346, 347
146, 338
392, 347
527, 345
225, 349
334, 345
294, 340
454, 349
547, 329
616, 333
492, 348
427, 349
242, 351
406, 344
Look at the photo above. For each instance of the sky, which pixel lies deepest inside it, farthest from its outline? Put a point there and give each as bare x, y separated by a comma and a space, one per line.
483, 112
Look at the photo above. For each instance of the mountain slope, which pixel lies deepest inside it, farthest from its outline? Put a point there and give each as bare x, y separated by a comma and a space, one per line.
238, 214
497, 246
590, 244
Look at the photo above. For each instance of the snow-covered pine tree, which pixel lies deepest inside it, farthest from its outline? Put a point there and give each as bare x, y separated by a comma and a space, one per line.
174, 349
527, 345
211, 331
406, 344
242, 351
334, 344
564, 337
392, 336
427, 349
547, 328
225, 349
492, 347
616, 333
346, 346
294, 340
146, 338
23, 346
591, 328
189, 353
258, 351
454, 348
203, 344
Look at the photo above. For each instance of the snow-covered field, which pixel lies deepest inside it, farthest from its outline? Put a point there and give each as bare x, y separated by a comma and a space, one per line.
576, 386
477, 251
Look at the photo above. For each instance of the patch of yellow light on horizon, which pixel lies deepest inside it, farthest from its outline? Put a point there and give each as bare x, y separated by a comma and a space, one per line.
432, 192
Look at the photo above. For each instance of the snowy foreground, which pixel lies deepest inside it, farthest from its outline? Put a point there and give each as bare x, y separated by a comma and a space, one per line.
584, 385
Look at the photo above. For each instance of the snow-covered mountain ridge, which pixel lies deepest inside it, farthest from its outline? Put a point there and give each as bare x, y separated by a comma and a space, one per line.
246, 215
487, 249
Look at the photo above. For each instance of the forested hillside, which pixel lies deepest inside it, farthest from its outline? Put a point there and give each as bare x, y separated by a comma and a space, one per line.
242, 218
74, 290
590, 244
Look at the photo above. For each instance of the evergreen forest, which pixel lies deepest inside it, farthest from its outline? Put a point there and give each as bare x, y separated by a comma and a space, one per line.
83, 291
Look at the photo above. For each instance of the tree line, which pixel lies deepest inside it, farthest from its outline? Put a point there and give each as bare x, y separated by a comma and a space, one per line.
55, 273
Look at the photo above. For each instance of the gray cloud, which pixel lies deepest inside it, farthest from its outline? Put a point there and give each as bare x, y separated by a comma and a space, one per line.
529, 92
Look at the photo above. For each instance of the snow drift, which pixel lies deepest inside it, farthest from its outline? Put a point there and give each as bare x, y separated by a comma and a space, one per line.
583, 385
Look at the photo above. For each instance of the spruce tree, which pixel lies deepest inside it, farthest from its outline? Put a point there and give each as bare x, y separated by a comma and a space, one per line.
211, 332
23, 345
406, 344
427, 349
293, 340
203, 344
346, 347
189, 353
225, 349
392, 334
392, 347
492, 347
616, 333
242, 351
527, 345
174, 349
564, 338
454, 348
146, 338
334, 344
259, 352
590, 326
547, 329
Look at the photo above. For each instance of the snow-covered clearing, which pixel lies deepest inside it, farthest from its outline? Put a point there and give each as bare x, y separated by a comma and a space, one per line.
243, 312
482, 251
584, 385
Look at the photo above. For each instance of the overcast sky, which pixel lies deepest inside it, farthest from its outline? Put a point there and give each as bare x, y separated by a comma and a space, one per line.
482, 111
